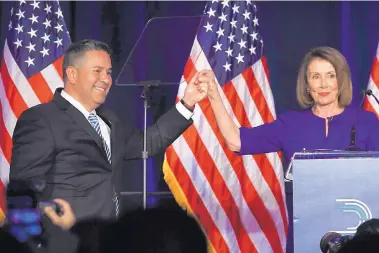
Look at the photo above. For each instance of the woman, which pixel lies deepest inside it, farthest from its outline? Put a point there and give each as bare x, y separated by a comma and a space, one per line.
324, 88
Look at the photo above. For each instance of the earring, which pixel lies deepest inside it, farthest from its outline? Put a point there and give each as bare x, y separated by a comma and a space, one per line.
307, 89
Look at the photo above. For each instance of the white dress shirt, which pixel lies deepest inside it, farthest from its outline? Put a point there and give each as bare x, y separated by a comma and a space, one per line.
104, 128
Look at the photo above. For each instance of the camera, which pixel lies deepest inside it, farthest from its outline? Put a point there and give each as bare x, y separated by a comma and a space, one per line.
332, 242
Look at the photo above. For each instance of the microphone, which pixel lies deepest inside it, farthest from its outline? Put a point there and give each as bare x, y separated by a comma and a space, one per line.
352, 146
370, 93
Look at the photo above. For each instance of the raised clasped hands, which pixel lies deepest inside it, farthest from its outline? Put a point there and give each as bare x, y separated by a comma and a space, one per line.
201, 86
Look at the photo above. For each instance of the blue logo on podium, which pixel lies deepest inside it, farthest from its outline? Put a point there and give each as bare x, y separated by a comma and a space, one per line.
358, 207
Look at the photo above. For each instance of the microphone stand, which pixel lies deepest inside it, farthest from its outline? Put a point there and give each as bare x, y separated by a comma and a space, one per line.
146, 86
353, 146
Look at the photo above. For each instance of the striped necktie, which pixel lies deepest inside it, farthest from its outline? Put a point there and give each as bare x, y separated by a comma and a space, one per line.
92, 118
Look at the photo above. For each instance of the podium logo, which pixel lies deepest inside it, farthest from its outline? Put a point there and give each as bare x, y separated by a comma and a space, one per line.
358, 207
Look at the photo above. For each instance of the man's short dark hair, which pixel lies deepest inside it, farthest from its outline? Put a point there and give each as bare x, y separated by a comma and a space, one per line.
77, 49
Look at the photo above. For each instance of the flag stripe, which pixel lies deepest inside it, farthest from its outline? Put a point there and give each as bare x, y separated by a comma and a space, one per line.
268, 91
5, 139
222, 192
373, 84
58, 67
52, 77
257, 95
40, 87
22, 83
8, 115
375, 72
4, 172
181, 197
195, 200
370, 103
369, 106
264, 85
231, 94
188, 73
262, 191
14, 97
267, 161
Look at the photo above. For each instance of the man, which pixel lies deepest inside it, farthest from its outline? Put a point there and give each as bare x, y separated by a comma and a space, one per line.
75, 148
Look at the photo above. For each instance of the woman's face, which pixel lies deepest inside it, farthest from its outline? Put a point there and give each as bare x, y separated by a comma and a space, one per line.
322, 82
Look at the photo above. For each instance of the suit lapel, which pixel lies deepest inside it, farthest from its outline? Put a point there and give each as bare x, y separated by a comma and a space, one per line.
79, 119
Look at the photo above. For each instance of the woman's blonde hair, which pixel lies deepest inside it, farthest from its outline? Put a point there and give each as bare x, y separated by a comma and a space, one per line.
339, 63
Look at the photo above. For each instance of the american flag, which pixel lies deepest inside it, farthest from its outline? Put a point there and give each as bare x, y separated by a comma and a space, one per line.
239, 201
31, 69
373, 84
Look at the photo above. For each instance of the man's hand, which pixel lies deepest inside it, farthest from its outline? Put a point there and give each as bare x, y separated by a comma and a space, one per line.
208, 77
195, 91
67, 220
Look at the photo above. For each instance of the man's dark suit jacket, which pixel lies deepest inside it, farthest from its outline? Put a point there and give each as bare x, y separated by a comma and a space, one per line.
54, 144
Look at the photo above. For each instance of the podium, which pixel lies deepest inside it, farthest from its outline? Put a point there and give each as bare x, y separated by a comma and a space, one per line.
333, 191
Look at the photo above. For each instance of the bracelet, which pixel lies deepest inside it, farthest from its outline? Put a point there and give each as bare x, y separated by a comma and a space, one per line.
191, 108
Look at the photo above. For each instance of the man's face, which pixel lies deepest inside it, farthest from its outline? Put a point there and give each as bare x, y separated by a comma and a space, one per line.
93, 78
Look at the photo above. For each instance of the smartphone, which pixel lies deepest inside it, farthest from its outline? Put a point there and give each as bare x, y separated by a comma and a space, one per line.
23, 212
41, 206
